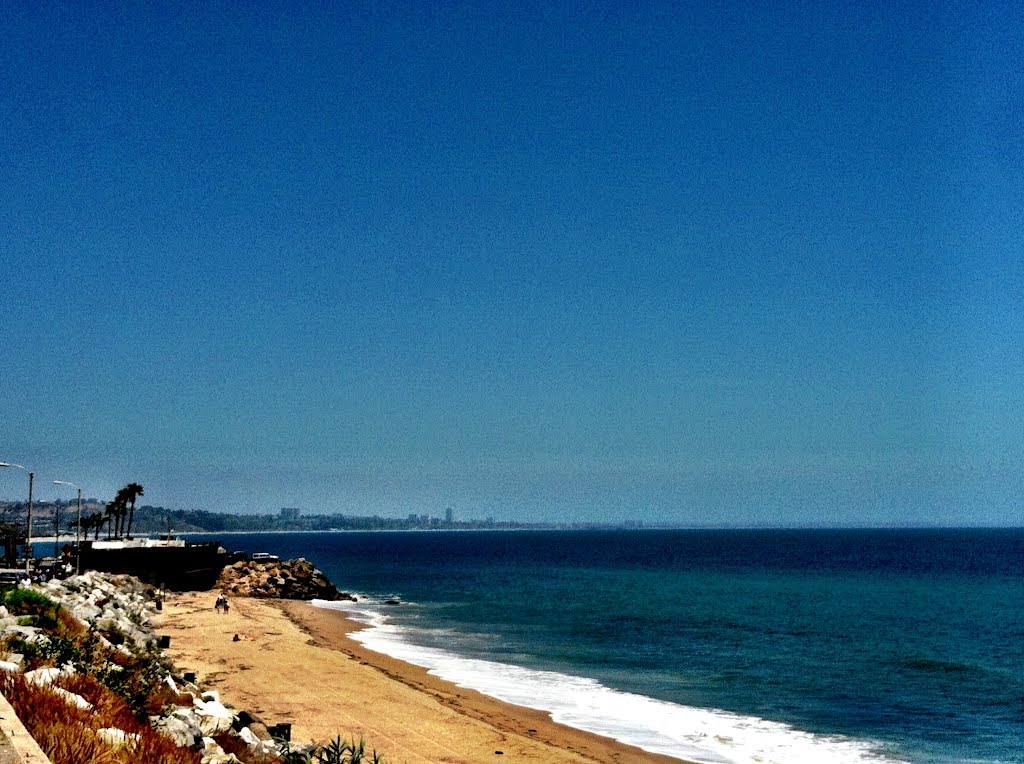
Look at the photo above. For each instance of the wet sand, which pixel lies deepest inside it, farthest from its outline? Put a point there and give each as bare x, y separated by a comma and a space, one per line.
295, 663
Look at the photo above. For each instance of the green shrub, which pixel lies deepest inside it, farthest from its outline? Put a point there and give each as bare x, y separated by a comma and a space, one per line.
44, 621
138, 678
337, 751
29, 650
29, 602
63, 650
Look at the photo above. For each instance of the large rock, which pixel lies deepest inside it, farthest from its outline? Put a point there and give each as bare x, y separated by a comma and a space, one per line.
286, 579
214, 717
182, 728
73, 698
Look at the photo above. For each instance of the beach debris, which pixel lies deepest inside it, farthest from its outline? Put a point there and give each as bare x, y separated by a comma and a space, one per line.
282, 731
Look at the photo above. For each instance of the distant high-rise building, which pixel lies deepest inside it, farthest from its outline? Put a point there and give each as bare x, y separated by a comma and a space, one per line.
449, 515
290, 513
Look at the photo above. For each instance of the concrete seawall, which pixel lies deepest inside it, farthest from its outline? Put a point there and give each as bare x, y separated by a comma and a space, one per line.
16, 745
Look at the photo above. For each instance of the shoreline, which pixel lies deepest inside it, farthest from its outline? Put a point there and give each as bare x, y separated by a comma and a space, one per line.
296, 663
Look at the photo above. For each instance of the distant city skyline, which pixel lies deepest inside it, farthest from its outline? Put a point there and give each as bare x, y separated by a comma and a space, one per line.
729, 265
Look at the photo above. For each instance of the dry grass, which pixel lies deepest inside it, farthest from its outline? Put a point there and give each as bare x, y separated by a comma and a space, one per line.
67, 734
68, 625
164, 696
154, 748
64, 732
110, 709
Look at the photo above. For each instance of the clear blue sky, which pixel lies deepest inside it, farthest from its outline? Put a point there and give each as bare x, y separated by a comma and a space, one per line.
657, 261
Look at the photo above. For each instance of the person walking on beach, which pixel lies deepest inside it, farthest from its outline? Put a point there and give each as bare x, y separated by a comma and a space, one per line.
222, 602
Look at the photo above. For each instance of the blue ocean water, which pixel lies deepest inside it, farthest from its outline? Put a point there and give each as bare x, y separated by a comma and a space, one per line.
717, 646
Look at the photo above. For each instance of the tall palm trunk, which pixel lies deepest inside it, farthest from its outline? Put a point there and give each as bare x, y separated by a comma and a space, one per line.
132, 492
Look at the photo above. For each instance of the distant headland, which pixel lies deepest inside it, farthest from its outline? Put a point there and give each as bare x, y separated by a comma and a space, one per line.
62, 515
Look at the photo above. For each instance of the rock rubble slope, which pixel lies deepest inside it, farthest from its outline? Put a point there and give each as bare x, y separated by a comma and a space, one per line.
283, 579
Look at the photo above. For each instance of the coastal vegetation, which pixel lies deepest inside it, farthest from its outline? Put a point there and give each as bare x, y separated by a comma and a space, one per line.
337, 751
76, 713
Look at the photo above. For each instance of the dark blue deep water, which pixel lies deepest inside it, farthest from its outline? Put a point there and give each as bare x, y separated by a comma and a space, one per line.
860, 645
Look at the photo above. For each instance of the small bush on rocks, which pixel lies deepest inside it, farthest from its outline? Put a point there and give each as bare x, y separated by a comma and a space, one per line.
29, 650
29, 602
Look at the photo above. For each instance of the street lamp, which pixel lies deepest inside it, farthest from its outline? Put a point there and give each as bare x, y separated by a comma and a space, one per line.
28, 536
78, 528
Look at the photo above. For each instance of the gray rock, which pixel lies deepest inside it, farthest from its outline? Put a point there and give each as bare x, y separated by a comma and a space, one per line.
183, 731
73, 699
259, 729
43, 676
214, 717
249, 737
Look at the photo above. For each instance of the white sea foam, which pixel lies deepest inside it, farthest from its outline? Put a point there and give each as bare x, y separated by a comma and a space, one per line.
708, 736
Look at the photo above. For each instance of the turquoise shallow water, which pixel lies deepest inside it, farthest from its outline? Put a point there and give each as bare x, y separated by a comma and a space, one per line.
805, 645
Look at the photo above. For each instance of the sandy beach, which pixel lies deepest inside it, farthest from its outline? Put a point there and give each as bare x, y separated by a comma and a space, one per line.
295, 663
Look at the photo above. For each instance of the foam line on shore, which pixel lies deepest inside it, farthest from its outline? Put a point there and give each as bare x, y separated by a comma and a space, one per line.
706, 736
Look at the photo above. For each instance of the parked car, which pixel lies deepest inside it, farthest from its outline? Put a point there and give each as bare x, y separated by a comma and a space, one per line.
265, 557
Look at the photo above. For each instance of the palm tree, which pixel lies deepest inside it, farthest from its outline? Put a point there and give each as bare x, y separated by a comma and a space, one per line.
122, 514
108, 515
115, 509
87, 525
132, 491
122, 511
95, 520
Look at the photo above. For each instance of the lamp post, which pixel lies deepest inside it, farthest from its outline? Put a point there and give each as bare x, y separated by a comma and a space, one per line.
28, 535
78, 528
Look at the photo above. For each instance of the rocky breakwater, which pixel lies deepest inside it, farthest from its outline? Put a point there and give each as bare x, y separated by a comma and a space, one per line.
281, 579
117, 639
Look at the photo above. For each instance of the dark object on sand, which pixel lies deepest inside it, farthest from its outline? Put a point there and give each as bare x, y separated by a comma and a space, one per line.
282, 731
